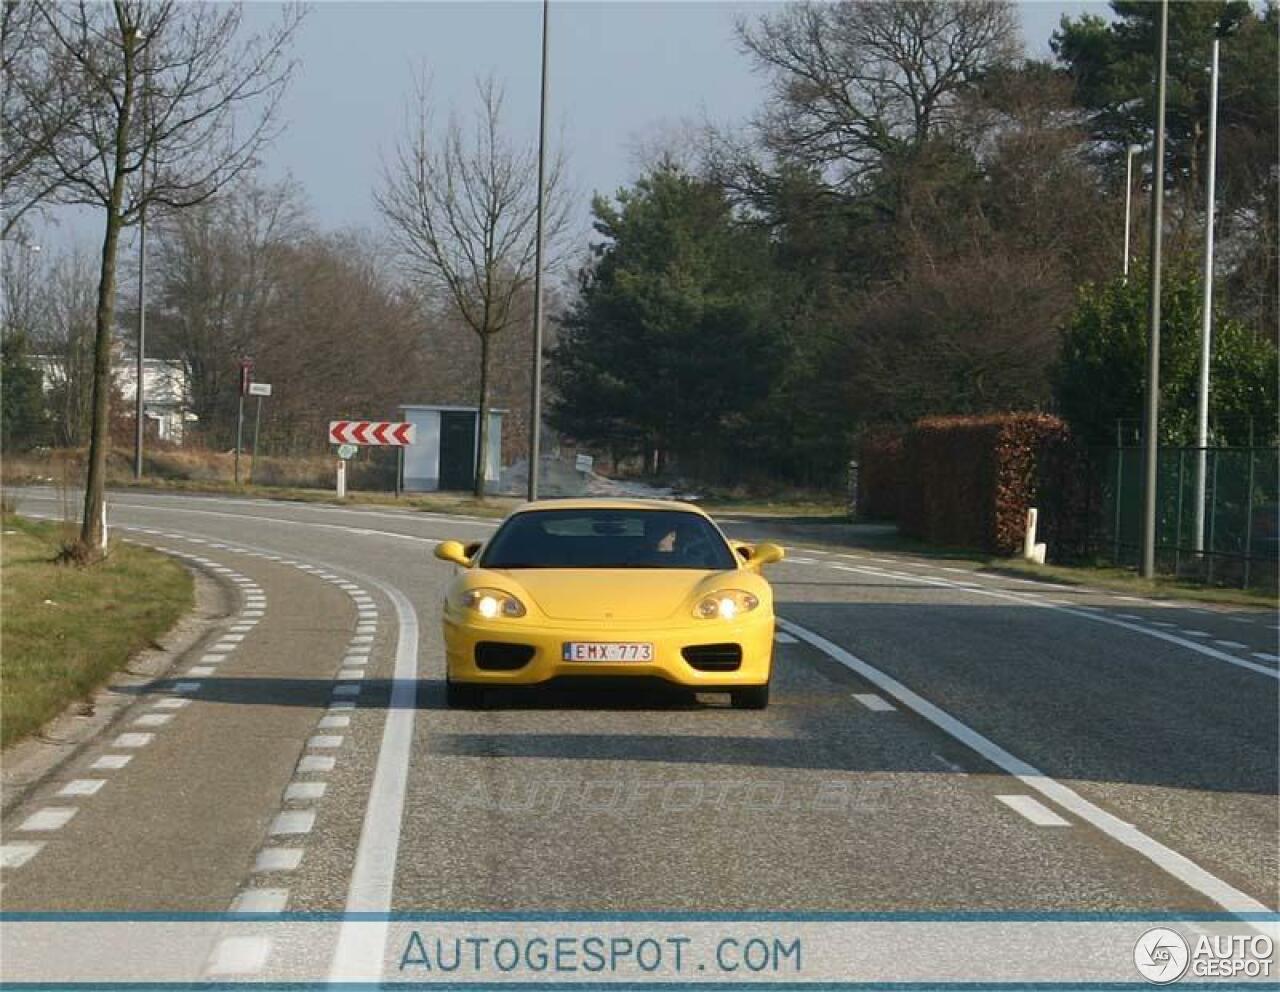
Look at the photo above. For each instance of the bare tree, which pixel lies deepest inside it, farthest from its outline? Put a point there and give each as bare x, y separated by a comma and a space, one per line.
857, 84
161, 85
64, 343
462, 211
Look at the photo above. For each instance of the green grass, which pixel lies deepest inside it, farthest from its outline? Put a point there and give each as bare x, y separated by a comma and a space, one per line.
65, 629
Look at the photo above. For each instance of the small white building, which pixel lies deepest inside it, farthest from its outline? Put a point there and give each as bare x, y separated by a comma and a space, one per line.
446, 446
166, 394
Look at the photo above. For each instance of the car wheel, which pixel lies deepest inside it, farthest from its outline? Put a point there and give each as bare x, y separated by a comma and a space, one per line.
462, 695
751, 697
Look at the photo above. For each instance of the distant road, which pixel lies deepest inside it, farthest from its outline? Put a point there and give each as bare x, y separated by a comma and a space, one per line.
301, 757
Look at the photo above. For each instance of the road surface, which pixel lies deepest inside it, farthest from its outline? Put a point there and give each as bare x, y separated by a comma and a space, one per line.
939, 739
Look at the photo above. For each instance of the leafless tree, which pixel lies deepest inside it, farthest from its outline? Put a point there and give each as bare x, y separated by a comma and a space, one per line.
461, 207
162, 87
64, 343
857, 84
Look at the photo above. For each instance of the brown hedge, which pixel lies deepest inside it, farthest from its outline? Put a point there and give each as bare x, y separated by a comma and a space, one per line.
968, 481
879, 474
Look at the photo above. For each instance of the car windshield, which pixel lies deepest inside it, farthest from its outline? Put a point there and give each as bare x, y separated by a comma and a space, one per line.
608, 538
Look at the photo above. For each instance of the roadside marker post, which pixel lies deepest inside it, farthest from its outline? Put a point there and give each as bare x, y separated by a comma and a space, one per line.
246, 378
258, 389
350, 435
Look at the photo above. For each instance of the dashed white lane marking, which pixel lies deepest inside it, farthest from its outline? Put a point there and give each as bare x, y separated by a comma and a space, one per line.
172, 704
261, 901
155, 719
351, 673
278, 859
18, 853
334, 722
1168, 860
1193, 633
325, 741
873, 702
1034, 810
797, 560
1230, 644
239, 956
1263, 656
133, 740
111, 762
1161, 623
949, 765
82, 787
200, 670
213, 659
304, 790
187, 687
49, 818
294, 821
1128, 616
782, 637
316, 763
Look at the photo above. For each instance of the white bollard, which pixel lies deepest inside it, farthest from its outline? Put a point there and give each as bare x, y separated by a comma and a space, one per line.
342, 479
1030, 549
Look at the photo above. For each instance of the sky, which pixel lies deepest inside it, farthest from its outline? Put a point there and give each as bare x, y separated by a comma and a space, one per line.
619, 74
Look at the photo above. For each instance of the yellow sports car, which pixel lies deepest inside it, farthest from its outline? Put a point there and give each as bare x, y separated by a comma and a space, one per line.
609, 588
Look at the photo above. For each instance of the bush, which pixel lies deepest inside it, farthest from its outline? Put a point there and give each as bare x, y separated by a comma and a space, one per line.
969, 481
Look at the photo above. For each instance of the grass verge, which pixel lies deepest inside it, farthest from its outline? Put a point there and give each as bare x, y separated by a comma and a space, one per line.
65, 629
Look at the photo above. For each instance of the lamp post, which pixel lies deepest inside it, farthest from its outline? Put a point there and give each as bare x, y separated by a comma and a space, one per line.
1151, 419
1130, 152
535, 391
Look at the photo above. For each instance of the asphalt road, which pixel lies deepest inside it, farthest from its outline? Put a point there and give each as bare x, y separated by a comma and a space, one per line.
939, 739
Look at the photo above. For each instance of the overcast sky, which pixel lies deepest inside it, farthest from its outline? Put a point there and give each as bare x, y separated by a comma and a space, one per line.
619, 73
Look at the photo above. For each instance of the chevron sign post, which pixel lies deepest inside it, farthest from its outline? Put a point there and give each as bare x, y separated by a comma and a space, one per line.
371, 432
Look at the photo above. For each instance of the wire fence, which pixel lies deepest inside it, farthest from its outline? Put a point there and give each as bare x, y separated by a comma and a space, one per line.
1239, 543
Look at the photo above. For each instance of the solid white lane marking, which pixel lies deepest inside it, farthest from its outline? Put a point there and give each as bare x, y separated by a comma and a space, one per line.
111, 762
49, 818
133, 740
18, 853
240, 956
1168, 860
873, 702
334, 722
316, 763
782, 637
155, 719
325, 741
278, 859
359, 952
260, 901
304, 790
82, 787
1096, 617
172, 704
1034, 810
294, 821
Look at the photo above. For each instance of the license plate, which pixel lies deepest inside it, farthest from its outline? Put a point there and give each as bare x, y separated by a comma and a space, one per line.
610, 651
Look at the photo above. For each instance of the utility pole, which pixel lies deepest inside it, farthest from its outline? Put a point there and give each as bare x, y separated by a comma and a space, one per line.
1151, 420
1206, 316
140, 391
1131, 151
535, 391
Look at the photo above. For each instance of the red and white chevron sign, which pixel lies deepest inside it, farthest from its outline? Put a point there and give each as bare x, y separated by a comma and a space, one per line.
370, 432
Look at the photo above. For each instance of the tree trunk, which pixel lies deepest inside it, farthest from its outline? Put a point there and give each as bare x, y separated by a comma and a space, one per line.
482, 427
93, 528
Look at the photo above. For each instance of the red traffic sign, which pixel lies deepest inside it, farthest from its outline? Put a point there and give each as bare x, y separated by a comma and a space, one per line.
370, 432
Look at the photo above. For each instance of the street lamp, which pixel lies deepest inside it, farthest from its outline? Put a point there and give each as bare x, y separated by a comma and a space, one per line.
535, 391
1130, 152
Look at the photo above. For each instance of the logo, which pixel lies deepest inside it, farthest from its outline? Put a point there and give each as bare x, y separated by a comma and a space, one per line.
1161, 955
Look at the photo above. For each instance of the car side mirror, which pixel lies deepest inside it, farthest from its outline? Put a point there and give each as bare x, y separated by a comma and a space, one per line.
743, 551
473, 549
765, 553
453, 551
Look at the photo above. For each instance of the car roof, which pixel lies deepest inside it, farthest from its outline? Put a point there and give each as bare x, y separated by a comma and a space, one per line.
602, 503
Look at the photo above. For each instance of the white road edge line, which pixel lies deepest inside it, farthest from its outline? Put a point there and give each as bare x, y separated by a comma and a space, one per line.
360, 945
1171, 862
1034, 810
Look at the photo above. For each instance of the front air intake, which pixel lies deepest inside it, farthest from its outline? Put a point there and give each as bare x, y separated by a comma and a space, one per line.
495, 656
714, 657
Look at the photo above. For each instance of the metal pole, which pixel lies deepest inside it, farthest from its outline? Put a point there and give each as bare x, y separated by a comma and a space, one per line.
139, 399
1151, 424
535, 392
399, 469
1128, 202
1206, 317
257, 421
1115, 558
239, 435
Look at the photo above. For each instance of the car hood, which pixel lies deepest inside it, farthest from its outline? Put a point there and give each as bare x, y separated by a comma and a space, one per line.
608, 593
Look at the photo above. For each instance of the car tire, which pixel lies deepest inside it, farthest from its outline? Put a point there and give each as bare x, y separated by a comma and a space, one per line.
462, 695
751, 697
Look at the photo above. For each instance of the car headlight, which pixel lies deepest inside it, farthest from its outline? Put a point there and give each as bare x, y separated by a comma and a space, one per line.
725, 604
492, 603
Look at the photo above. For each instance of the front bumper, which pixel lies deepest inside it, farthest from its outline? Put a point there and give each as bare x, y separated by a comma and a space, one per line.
754, 633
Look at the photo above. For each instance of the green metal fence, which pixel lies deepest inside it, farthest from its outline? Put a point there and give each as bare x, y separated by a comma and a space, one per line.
1242, 502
